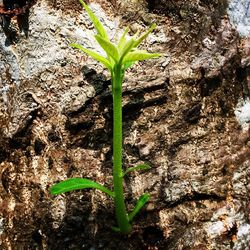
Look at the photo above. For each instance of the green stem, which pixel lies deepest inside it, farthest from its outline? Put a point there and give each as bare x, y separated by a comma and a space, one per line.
120, 208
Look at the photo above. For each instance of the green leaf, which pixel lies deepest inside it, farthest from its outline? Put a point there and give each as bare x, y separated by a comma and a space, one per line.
139, 205
93, 54
98, 25
144, 35
122, 40
143, 166
139, 55
109, 47
127, 48
128, 65
76, 184
116, 229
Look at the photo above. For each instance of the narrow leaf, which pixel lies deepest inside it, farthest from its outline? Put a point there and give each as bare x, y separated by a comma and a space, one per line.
139, 205
122, 40
144, 35
139, 55
109, 47
93, 54
138, 167
98, 25
127, 48
76, 184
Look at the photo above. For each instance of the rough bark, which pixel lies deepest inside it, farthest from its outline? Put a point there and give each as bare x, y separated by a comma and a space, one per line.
186, 114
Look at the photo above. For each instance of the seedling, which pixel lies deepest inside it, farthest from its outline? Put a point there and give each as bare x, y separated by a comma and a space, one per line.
119, 57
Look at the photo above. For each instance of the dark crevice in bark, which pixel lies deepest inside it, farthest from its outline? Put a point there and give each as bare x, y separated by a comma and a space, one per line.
22, 138
76, 127
39, 146
153, 235
192, 115
195, 197
242, 73
209, 85
133, 108
4, 154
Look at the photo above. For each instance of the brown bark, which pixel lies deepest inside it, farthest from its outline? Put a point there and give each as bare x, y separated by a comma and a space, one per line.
179, 116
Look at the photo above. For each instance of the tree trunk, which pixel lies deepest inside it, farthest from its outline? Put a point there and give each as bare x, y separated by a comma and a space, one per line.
186, 114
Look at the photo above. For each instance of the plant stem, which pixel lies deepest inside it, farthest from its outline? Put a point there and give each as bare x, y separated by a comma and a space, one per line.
120, 208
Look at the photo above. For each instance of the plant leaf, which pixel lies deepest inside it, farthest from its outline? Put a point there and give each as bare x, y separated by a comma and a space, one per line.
144, 35
139, 55
93, 54
127, 48
116, 229
139, 205
143, 166
122, 40
98, 25
128, 65
109, 47
76, 184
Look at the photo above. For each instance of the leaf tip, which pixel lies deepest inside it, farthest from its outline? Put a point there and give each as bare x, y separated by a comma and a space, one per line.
153, 26
157, 54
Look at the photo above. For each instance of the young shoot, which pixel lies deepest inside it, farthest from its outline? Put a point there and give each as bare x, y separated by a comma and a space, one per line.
119, 57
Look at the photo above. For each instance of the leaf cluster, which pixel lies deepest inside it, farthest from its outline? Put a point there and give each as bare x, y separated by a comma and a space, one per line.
123, 54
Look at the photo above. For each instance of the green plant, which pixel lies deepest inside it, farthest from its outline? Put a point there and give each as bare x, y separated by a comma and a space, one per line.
119, 58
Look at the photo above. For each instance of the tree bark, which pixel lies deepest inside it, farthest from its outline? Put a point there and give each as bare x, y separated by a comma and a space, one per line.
186, 114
